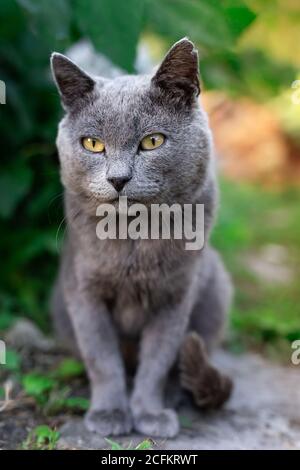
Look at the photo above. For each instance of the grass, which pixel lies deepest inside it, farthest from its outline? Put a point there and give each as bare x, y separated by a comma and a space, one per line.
265, 315
51, 391
146, 444
41, 438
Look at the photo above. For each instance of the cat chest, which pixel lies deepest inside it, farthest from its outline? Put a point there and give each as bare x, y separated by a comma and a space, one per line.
137, 284
134, 304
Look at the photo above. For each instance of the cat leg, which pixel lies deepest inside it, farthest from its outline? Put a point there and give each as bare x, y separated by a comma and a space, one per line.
160, 344
210, 311
109, 411
61, 321
209, 387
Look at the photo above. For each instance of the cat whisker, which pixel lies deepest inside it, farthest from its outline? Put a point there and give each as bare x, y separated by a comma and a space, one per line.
57, 233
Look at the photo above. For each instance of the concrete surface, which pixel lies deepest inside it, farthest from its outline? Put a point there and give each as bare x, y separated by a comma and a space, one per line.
263, 413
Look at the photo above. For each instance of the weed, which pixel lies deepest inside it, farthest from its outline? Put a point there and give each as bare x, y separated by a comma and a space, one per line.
41, 438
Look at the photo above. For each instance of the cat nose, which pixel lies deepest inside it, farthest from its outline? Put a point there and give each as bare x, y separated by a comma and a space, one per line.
119, 182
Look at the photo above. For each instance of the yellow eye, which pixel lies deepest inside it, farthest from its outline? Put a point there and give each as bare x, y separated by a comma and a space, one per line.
152, 141
93, 145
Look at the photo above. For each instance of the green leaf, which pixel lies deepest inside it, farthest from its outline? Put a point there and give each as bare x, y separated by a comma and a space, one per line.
113, 26
144, 445
44, 433
68, 369
41, 438
238, 16
59, 401
114, 445
12, 20
50, 21
202, 21
36, 384
248, 73
15, 183
213, 24
6, 320
77, 403
13, 361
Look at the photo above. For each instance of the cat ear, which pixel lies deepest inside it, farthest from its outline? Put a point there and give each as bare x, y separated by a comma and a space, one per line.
72, 82
178, 75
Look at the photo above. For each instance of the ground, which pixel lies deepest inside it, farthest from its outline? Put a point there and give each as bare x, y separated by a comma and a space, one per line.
263, 412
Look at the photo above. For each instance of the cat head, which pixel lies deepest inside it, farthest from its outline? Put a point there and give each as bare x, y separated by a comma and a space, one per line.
144, 137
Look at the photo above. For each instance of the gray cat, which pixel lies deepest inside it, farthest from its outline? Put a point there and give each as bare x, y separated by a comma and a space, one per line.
154, 294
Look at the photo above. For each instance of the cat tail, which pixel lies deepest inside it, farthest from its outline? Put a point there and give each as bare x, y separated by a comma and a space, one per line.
208, 386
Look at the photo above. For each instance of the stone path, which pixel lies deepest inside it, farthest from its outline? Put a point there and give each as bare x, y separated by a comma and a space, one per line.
263, 413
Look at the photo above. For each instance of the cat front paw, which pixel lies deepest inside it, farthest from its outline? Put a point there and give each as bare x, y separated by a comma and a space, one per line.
163, 423
108, 422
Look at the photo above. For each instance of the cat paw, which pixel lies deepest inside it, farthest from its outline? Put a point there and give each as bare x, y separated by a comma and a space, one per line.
161, 424
108, 422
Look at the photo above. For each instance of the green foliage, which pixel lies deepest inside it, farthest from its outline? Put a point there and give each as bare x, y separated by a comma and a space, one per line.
13, 361
50, 392
146, 444
114, 445
6, 320
41, 438
76, 404
250, 73
195, 18
114, 26
15, 183
38, 386
251, 219
68, 369
60, 401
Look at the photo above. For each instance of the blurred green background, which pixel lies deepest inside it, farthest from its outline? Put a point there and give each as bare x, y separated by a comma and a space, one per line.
250, 50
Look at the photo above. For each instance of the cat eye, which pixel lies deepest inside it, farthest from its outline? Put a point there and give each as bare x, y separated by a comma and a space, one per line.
93, 145
152, 141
